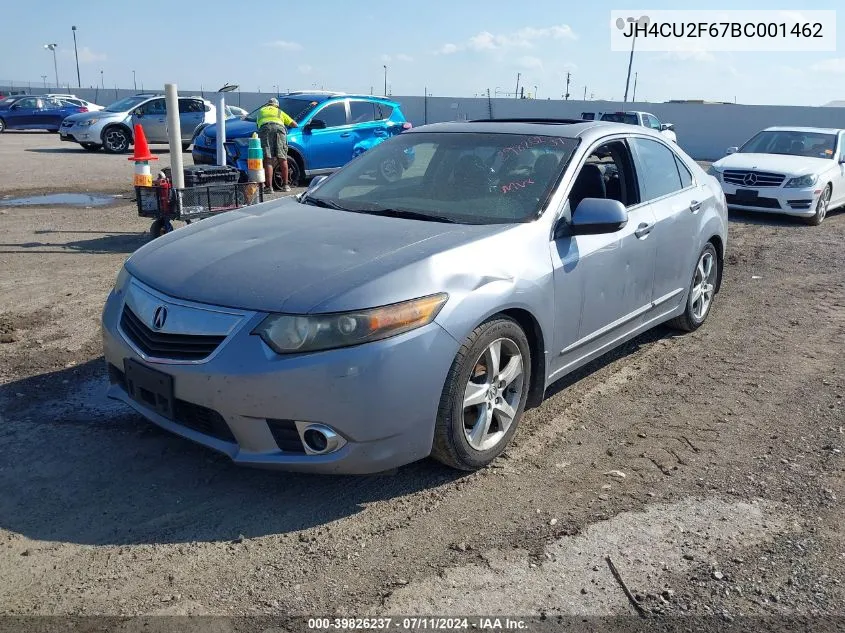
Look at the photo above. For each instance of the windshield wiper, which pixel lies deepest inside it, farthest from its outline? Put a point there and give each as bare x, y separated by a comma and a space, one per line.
326, 204
406, 213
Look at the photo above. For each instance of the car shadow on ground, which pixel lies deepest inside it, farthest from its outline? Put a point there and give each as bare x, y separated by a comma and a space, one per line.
84, 469
77, 149
121, 242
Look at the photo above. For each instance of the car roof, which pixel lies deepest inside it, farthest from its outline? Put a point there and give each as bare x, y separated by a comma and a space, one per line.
567, 128
820, 130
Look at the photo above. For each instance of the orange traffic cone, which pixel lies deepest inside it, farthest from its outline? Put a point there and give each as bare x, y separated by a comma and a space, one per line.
142, 150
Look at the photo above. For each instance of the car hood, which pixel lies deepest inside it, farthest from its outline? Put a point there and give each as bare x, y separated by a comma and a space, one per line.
776, 163
235, 128
289, 257
97, 114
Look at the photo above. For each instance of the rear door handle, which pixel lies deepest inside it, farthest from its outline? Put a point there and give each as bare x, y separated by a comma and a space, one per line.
643, 230
695, 206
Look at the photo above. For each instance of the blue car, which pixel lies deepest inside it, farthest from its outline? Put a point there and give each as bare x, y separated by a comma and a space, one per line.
35, 113
333, 129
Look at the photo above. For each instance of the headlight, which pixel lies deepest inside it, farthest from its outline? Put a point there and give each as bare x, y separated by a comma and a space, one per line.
715, 172
802, 181
290, 333
122, 280
87, 122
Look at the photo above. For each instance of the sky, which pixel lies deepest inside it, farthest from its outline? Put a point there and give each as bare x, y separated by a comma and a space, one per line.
449, 48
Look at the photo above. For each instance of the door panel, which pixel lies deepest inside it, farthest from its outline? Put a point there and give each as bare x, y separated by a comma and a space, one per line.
22, 113
153, 118
191, 115
331, 147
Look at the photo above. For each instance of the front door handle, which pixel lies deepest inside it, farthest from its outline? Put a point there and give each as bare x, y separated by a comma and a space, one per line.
695, 206
345, 134
643, 230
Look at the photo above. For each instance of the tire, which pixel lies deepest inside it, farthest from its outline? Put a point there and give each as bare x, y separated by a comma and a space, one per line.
116, 140
469, 379
821, 207
700, 299
159, 227
91, 147
2, 126
294, 174
186, 147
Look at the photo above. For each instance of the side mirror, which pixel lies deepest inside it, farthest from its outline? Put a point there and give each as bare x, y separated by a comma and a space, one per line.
316, 124
732, 150
667, 126
315, 181
598, 215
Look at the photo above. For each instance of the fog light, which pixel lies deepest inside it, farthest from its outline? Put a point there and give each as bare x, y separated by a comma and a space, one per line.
319, 439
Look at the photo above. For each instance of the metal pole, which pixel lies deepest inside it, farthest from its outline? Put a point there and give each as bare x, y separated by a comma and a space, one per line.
102, 80
585, 93
566, 96
385, 80
134, 82
221, 128
634, 96
516, 93
425, 104
76, 53
630, 61
44, 77
174, 135
489, 104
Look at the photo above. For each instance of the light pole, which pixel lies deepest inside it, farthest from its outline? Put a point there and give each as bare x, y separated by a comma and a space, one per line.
52, 47
102, 80
516, 94
76, 54
643, 20
134, 83
385, 80
535, 92
44, 77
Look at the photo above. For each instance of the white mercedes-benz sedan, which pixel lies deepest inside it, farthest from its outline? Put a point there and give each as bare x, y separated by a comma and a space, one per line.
797, 171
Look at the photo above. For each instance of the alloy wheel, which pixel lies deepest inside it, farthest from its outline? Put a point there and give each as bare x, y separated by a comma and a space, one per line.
492, 394
703, 285
821, 206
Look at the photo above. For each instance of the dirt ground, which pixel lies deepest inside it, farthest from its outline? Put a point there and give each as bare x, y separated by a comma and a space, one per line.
708, 467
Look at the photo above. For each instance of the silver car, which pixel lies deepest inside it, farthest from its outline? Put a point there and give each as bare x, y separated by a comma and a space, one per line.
113, 127
375, 323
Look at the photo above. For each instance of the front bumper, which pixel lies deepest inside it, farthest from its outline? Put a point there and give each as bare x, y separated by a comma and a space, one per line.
80, 133
782, 200
204, 155
249, 403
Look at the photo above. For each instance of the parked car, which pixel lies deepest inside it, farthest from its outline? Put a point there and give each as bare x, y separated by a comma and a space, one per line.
35, 113
374, 323
92, 107
112, 128
797, 171
333, 129
634, 117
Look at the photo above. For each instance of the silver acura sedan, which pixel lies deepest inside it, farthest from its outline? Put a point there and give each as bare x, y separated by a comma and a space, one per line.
379, 320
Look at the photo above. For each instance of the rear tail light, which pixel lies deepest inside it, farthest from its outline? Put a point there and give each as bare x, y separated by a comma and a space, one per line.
406, 126
83, 109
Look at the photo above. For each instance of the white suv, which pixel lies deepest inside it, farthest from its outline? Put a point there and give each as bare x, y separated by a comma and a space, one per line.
112, 128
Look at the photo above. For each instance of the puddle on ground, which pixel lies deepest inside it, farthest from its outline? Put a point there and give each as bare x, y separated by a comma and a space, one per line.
71, 199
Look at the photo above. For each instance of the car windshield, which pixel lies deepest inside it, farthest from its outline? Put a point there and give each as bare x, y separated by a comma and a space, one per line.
620, 117
793, 143
463, 177
295, 107
124, 105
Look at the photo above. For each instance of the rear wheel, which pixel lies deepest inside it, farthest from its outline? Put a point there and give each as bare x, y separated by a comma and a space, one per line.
701, 292
2, 126
91, 147
390, 169
821, 208
484, 396
116, 140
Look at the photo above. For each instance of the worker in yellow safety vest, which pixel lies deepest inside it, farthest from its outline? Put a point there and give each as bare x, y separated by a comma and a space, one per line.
272, 124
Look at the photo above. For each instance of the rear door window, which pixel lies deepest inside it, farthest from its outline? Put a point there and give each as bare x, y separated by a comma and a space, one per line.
361, 112
657, 169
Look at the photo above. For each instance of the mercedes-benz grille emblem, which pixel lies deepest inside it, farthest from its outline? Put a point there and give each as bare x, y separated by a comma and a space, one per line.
750, 179
159, 317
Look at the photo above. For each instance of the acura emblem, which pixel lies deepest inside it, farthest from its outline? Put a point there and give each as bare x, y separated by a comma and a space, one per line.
750, 179
159, 317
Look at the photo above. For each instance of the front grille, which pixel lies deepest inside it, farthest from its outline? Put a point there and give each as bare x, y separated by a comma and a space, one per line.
202, 420
286, 435
165, 345
763, 178
763, 203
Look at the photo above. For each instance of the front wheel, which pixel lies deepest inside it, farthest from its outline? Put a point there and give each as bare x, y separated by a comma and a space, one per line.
821, 208
702, 291
116, 140
484, 396
2, 126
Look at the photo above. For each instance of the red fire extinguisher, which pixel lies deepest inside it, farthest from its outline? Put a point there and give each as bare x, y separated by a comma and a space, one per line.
162, 183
